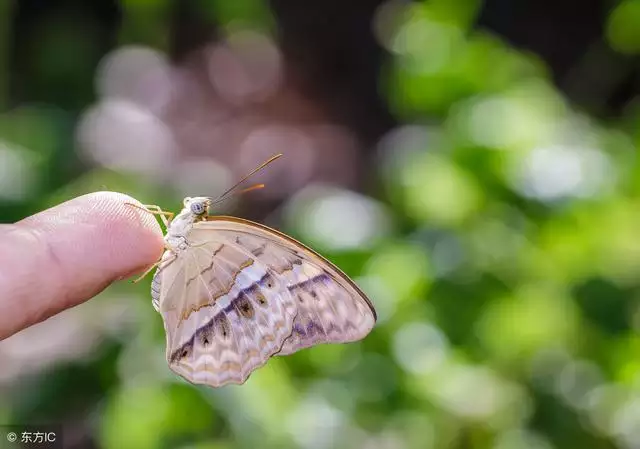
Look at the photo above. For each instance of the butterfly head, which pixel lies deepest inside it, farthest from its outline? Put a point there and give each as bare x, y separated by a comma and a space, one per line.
198, 205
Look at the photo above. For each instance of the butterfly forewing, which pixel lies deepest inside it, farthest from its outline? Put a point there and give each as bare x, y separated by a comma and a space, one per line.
243, 292
329, 307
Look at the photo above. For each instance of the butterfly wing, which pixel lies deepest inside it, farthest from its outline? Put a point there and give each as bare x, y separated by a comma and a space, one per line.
243, 292
219, 324
330, 308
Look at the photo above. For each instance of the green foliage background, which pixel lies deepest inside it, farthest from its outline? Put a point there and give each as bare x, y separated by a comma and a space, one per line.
507, 285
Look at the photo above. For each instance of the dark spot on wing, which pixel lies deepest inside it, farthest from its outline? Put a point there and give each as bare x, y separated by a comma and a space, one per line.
262, 300
205, 334
267, 281
254, 291
221, 323
243, 305
183, 351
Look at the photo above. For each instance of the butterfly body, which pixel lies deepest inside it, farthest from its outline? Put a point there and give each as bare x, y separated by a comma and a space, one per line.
194, 209
233, 293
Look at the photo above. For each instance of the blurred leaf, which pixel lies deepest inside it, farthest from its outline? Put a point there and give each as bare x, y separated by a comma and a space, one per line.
438, 191
535, 317
622, 27
146, 416
403, 268
254, 14
136, 418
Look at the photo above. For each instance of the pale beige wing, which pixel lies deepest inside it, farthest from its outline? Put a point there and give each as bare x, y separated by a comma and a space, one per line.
329, 307
225, 313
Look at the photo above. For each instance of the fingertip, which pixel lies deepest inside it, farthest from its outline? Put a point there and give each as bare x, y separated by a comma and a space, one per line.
67, 254
134, 235
101, 231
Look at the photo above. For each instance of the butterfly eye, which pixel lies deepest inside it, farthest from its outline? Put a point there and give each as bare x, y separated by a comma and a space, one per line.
197, 208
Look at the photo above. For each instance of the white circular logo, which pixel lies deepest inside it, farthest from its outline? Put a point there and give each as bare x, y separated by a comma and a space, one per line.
12, 437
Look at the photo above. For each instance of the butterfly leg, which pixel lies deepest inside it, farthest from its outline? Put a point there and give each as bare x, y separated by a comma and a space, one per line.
165, 216
143, 275
157, 264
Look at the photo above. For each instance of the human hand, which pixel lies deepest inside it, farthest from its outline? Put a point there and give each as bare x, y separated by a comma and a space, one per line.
65, 255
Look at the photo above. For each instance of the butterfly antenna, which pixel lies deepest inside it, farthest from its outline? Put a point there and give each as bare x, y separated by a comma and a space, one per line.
239, 192
253, 172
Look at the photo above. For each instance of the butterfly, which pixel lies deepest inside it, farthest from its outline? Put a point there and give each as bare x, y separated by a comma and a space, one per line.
233, 293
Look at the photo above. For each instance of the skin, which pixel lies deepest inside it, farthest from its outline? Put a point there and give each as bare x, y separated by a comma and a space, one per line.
63, 256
